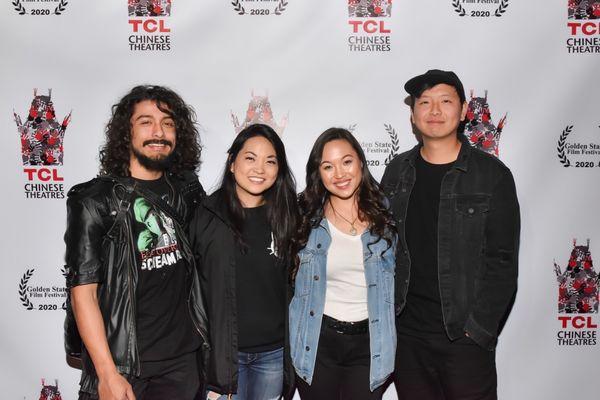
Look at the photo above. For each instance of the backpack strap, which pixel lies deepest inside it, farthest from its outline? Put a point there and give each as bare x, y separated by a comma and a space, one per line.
156, 199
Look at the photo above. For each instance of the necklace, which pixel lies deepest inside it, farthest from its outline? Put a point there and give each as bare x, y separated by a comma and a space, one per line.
353, 230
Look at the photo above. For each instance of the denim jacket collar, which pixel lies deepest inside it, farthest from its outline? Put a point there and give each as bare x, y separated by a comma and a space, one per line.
369, 241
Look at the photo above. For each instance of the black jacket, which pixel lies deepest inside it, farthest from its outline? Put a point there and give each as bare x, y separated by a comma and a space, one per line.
214, 247
478, 240
100, 249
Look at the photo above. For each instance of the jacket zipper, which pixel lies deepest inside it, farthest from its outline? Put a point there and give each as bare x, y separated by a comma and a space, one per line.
196, 326
132, 296
191, 265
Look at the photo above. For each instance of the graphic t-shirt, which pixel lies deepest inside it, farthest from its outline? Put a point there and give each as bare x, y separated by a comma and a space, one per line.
164, 326
260, 287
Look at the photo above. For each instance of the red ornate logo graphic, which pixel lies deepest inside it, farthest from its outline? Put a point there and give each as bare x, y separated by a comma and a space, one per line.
584, 9
41, 133
369, 8
480, 129
259, 112
50, 392
578, 283
149, 8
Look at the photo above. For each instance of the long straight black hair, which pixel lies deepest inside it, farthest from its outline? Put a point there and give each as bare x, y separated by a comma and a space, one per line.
280, 199
372, 204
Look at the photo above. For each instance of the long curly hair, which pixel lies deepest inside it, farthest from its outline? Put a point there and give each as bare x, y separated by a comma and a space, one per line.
116, 151
372, 204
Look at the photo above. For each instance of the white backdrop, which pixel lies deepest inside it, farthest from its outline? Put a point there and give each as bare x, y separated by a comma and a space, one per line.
301, 59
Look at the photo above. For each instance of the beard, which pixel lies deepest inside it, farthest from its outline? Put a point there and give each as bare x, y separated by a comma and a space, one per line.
160, 163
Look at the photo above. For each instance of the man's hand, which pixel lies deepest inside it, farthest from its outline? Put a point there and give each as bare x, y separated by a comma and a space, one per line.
114, 387
111, 385
212, 396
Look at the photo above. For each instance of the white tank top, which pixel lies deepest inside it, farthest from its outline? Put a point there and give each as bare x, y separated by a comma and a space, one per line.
346, 296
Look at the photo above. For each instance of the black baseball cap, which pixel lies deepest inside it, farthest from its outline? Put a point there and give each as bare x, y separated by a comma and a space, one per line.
434, 77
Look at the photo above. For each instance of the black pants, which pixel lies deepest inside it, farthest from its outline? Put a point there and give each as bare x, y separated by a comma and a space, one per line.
175, 379
431, 367
341, 369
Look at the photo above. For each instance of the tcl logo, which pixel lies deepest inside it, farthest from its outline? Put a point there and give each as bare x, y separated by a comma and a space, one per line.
578, 322
586, 28
149, 25
369, 26
43, 174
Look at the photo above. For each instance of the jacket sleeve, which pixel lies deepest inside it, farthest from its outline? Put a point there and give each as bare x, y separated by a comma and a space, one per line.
497, 281
83, 239
193, 194
386, 179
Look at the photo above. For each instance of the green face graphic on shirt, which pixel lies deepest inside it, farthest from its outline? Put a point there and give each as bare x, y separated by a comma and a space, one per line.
158, 232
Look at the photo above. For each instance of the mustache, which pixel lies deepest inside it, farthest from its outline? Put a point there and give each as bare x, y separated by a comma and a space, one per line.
158, 141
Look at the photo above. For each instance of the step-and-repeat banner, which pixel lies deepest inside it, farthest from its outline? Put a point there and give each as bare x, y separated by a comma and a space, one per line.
530, 69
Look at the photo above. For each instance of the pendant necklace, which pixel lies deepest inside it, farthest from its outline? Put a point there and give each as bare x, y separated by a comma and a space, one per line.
353, 230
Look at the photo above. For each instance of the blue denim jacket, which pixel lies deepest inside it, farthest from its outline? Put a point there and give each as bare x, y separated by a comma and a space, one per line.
306, 308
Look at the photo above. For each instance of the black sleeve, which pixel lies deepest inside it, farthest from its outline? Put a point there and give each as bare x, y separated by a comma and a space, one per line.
497, 283
193, 194
83, 239
200, 220
386, 179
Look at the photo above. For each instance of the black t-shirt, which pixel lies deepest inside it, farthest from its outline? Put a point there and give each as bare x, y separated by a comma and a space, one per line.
260, 287
423, 310
164, 325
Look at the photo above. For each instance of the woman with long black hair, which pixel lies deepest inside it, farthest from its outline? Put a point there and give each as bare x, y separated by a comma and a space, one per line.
242, 238
343, 337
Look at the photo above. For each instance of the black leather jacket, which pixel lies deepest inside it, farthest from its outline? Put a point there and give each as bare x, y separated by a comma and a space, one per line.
100, 249
213, 242
478, 241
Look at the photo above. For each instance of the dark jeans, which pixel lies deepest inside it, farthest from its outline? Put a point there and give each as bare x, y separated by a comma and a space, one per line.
341, 369
175, 379
431, 367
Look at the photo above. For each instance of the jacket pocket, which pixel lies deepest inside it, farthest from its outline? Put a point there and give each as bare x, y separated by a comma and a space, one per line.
388, 270
470, 214
472, 205
303, 277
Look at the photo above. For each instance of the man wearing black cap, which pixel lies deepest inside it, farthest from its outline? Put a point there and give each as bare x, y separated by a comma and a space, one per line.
456, 276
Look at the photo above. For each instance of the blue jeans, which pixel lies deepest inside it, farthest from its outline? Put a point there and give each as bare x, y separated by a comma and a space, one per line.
260, 376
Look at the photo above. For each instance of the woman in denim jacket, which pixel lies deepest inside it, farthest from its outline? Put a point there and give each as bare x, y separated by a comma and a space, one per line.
342, 332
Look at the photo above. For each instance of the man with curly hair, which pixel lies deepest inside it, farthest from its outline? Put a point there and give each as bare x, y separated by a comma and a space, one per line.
135, 315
